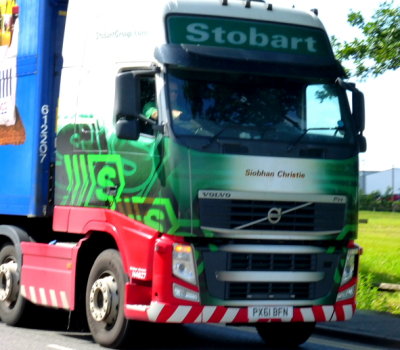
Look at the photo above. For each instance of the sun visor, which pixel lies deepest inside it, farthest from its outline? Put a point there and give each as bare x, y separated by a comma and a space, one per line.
252, 61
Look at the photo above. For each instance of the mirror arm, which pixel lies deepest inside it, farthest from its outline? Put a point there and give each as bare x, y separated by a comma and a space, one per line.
358, 111
145, 119
358, 102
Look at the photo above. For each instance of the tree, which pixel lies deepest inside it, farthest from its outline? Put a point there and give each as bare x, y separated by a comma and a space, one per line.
379, 49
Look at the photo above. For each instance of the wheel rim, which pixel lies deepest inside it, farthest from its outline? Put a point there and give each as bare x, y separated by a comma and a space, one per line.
104, 300
8, 282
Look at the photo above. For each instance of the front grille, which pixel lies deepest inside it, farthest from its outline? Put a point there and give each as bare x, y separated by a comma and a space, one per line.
240, 265
262, 267
244, 212
272, 262
258, 215
269, 291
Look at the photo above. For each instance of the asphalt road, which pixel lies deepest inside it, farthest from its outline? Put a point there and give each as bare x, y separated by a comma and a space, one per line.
162, 337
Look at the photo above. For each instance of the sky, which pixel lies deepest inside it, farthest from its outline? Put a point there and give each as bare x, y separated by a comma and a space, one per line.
382, 96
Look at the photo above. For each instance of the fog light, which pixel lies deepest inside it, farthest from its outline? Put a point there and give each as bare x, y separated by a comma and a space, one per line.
185, 293
346, 294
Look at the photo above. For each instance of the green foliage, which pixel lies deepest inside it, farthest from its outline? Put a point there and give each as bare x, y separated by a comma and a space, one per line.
379, 48
376, 201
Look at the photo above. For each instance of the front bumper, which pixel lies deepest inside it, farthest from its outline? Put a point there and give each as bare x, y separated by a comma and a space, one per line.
168, 313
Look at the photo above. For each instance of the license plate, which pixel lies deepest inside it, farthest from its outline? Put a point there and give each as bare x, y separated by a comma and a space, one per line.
268, 312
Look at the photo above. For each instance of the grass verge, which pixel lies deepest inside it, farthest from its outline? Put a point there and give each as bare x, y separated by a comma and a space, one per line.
380, 263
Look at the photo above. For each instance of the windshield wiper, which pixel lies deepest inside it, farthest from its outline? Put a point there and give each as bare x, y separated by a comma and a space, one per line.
295, 143
215, 136
293, 122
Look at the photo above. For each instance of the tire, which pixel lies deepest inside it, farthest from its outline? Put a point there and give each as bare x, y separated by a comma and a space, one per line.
285, 335
12, 304
104, 300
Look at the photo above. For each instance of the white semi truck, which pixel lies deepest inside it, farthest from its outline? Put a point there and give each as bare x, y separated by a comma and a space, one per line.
176, 161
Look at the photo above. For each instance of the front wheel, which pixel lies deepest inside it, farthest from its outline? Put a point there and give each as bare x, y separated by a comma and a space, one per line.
12, 304
285, 335
105, 300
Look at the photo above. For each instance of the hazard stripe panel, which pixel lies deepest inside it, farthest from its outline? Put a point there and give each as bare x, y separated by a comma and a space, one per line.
46, 297
167, 313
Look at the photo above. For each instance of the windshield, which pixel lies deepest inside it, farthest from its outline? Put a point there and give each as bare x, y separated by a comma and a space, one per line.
210, 111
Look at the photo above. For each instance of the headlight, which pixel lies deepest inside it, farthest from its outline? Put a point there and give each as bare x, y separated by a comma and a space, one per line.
183, 263
350, 266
